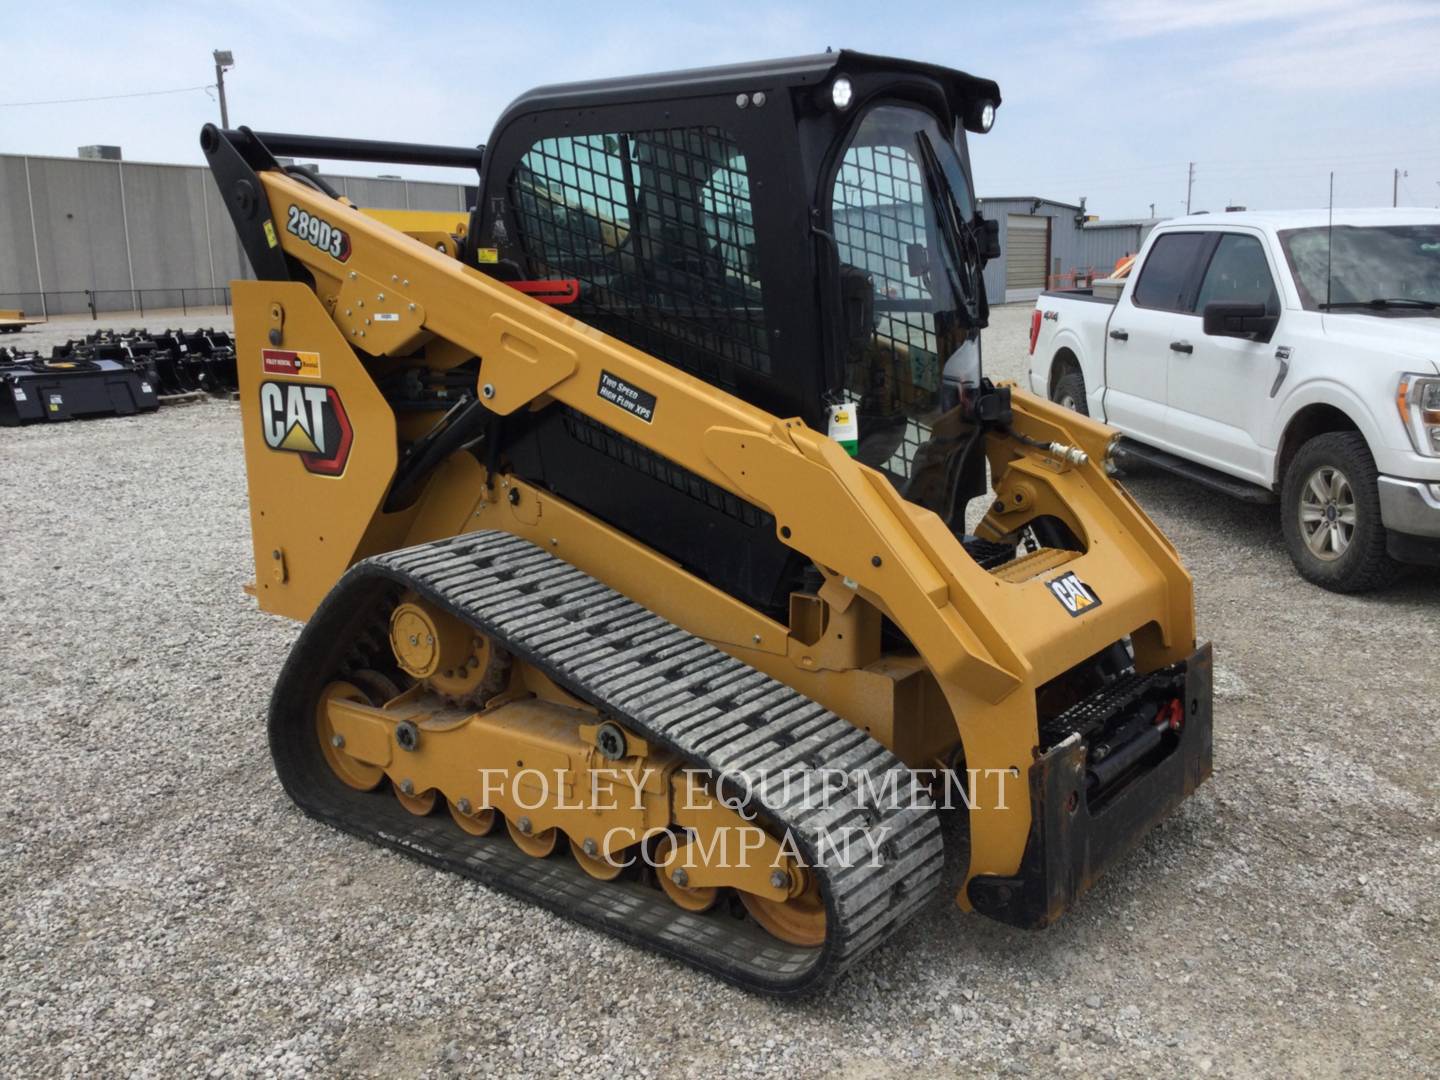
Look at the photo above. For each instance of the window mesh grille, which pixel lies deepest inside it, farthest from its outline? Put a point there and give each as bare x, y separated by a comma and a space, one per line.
611, 443
658, 228
879, 214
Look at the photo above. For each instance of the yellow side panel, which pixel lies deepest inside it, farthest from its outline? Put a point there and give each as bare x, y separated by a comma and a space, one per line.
308, 525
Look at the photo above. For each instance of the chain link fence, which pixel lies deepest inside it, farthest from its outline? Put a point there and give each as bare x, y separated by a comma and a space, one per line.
108, 301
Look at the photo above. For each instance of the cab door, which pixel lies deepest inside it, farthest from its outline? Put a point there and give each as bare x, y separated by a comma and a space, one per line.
1152, 317
1219, 391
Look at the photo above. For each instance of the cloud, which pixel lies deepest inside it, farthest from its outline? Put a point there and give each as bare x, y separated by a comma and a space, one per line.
1122, 19
1370, 48
1303, 46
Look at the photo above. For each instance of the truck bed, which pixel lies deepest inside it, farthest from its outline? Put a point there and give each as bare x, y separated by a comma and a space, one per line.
1081, 294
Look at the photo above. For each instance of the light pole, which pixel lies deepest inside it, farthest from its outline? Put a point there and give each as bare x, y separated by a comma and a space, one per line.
224, 60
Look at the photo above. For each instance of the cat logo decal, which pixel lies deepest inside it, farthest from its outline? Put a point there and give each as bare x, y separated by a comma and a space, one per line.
1074, 595
309, 421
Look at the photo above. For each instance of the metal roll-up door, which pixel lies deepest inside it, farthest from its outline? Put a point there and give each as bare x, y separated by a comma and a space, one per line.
1027, 247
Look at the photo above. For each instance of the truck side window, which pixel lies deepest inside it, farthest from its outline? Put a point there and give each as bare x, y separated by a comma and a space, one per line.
1238, 274
1165, 277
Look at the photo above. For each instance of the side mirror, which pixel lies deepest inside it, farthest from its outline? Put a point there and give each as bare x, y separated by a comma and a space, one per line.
1249, 321
989, 238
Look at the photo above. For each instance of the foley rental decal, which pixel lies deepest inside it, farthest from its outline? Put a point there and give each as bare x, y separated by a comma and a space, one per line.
304, 365
309, 421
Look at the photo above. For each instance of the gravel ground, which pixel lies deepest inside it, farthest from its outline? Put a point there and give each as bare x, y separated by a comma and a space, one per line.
167, 911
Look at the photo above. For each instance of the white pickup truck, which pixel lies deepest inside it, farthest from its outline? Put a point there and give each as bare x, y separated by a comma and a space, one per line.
1280, 355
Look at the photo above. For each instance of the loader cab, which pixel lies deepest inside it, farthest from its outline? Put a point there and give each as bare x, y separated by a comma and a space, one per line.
800, 233
763, 226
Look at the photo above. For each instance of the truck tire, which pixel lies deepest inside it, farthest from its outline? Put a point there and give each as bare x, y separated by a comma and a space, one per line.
1069, 392
1330, 514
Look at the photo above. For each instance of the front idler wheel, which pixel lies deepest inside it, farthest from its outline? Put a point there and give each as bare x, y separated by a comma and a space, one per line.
350, 771
800, 920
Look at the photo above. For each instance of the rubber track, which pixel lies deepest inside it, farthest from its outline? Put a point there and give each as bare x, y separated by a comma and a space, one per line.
716, 712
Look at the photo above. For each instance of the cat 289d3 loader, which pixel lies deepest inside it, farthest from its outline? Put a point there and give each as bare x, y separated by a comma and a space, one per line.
627, 513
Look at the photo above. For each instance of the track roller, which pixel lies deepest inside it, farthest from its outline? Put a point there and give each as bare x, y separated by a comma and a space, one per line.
537, 845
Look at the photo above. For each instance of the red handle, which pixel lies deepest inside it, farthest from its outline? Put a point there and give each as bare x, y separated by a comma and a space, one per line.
559, 291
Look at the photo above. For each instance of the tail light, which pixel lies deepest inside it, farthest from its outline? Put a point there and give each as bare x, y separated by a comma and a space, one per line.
1034, 329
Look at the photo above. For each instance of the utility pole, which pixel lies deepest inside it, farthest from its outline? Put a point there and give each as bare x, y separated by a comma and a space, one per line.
224, 60
1189, 183
1152, 209
1395, 187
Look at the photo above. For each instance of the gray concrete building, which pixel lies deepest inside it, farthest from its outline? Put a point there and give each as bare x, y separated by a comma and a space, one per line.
80, 234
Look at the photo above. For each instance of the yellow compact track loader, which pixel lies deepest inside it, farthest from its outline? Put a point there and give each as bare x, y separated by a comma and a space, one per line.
665, 556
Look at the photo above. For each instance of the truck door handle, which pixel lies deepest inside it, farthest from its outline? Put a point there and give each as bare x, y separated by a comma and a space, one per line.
1120, 335
1182, 346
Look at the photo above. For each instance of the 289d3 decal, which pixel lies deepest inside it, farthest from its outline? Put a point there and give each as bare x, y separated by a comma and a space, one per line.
334, 241
309, 421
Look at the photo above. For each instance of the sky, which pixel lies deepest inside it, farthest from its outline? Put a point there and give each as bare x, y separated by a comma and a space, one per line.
1107, 99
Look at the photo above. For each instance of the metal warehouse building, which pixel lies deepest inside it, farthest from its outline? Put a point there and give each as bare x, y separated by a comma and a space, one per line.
1044, 243
81, 234
94, 234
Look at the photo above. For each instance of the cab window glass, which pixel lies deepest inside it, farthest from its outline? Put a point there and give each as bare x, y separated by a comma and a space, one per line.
889, 235
1167, 270
729, 225
1238, 274
658, 228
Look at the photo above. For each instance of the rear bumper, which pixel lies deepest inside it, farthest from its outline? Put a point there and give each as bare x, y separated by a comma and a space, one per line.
1071, 843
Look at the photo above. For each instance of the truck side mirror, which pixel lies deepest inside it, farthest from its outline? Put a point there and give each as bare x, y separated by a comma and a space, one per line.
989, 238
1249, 321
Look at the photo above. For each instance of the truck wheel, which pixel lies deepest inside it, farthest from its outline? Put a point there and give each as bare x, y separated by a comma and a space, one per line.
1069, 392
1330, 513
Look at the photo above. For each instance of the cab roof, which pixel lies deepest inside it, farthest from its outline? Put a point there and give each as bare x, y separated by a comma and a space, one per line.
796, 71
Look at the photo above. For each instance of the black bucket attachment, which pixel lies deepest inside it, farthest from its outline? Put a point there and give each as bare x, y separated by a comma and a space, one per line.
33, 389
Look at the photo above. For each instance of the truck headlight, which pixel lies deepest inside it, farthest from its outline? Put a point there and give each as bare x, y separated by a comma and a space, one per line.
1418, 399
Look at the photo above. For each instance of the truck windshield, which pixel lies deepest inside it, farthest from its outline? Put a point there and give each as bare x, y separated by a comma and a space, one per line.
902, 210
1383, 268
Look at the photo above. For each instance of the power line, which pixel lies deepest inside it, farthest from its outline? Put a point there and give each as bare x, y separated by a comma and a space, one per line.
104, 97
1259, 168
1360, 163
